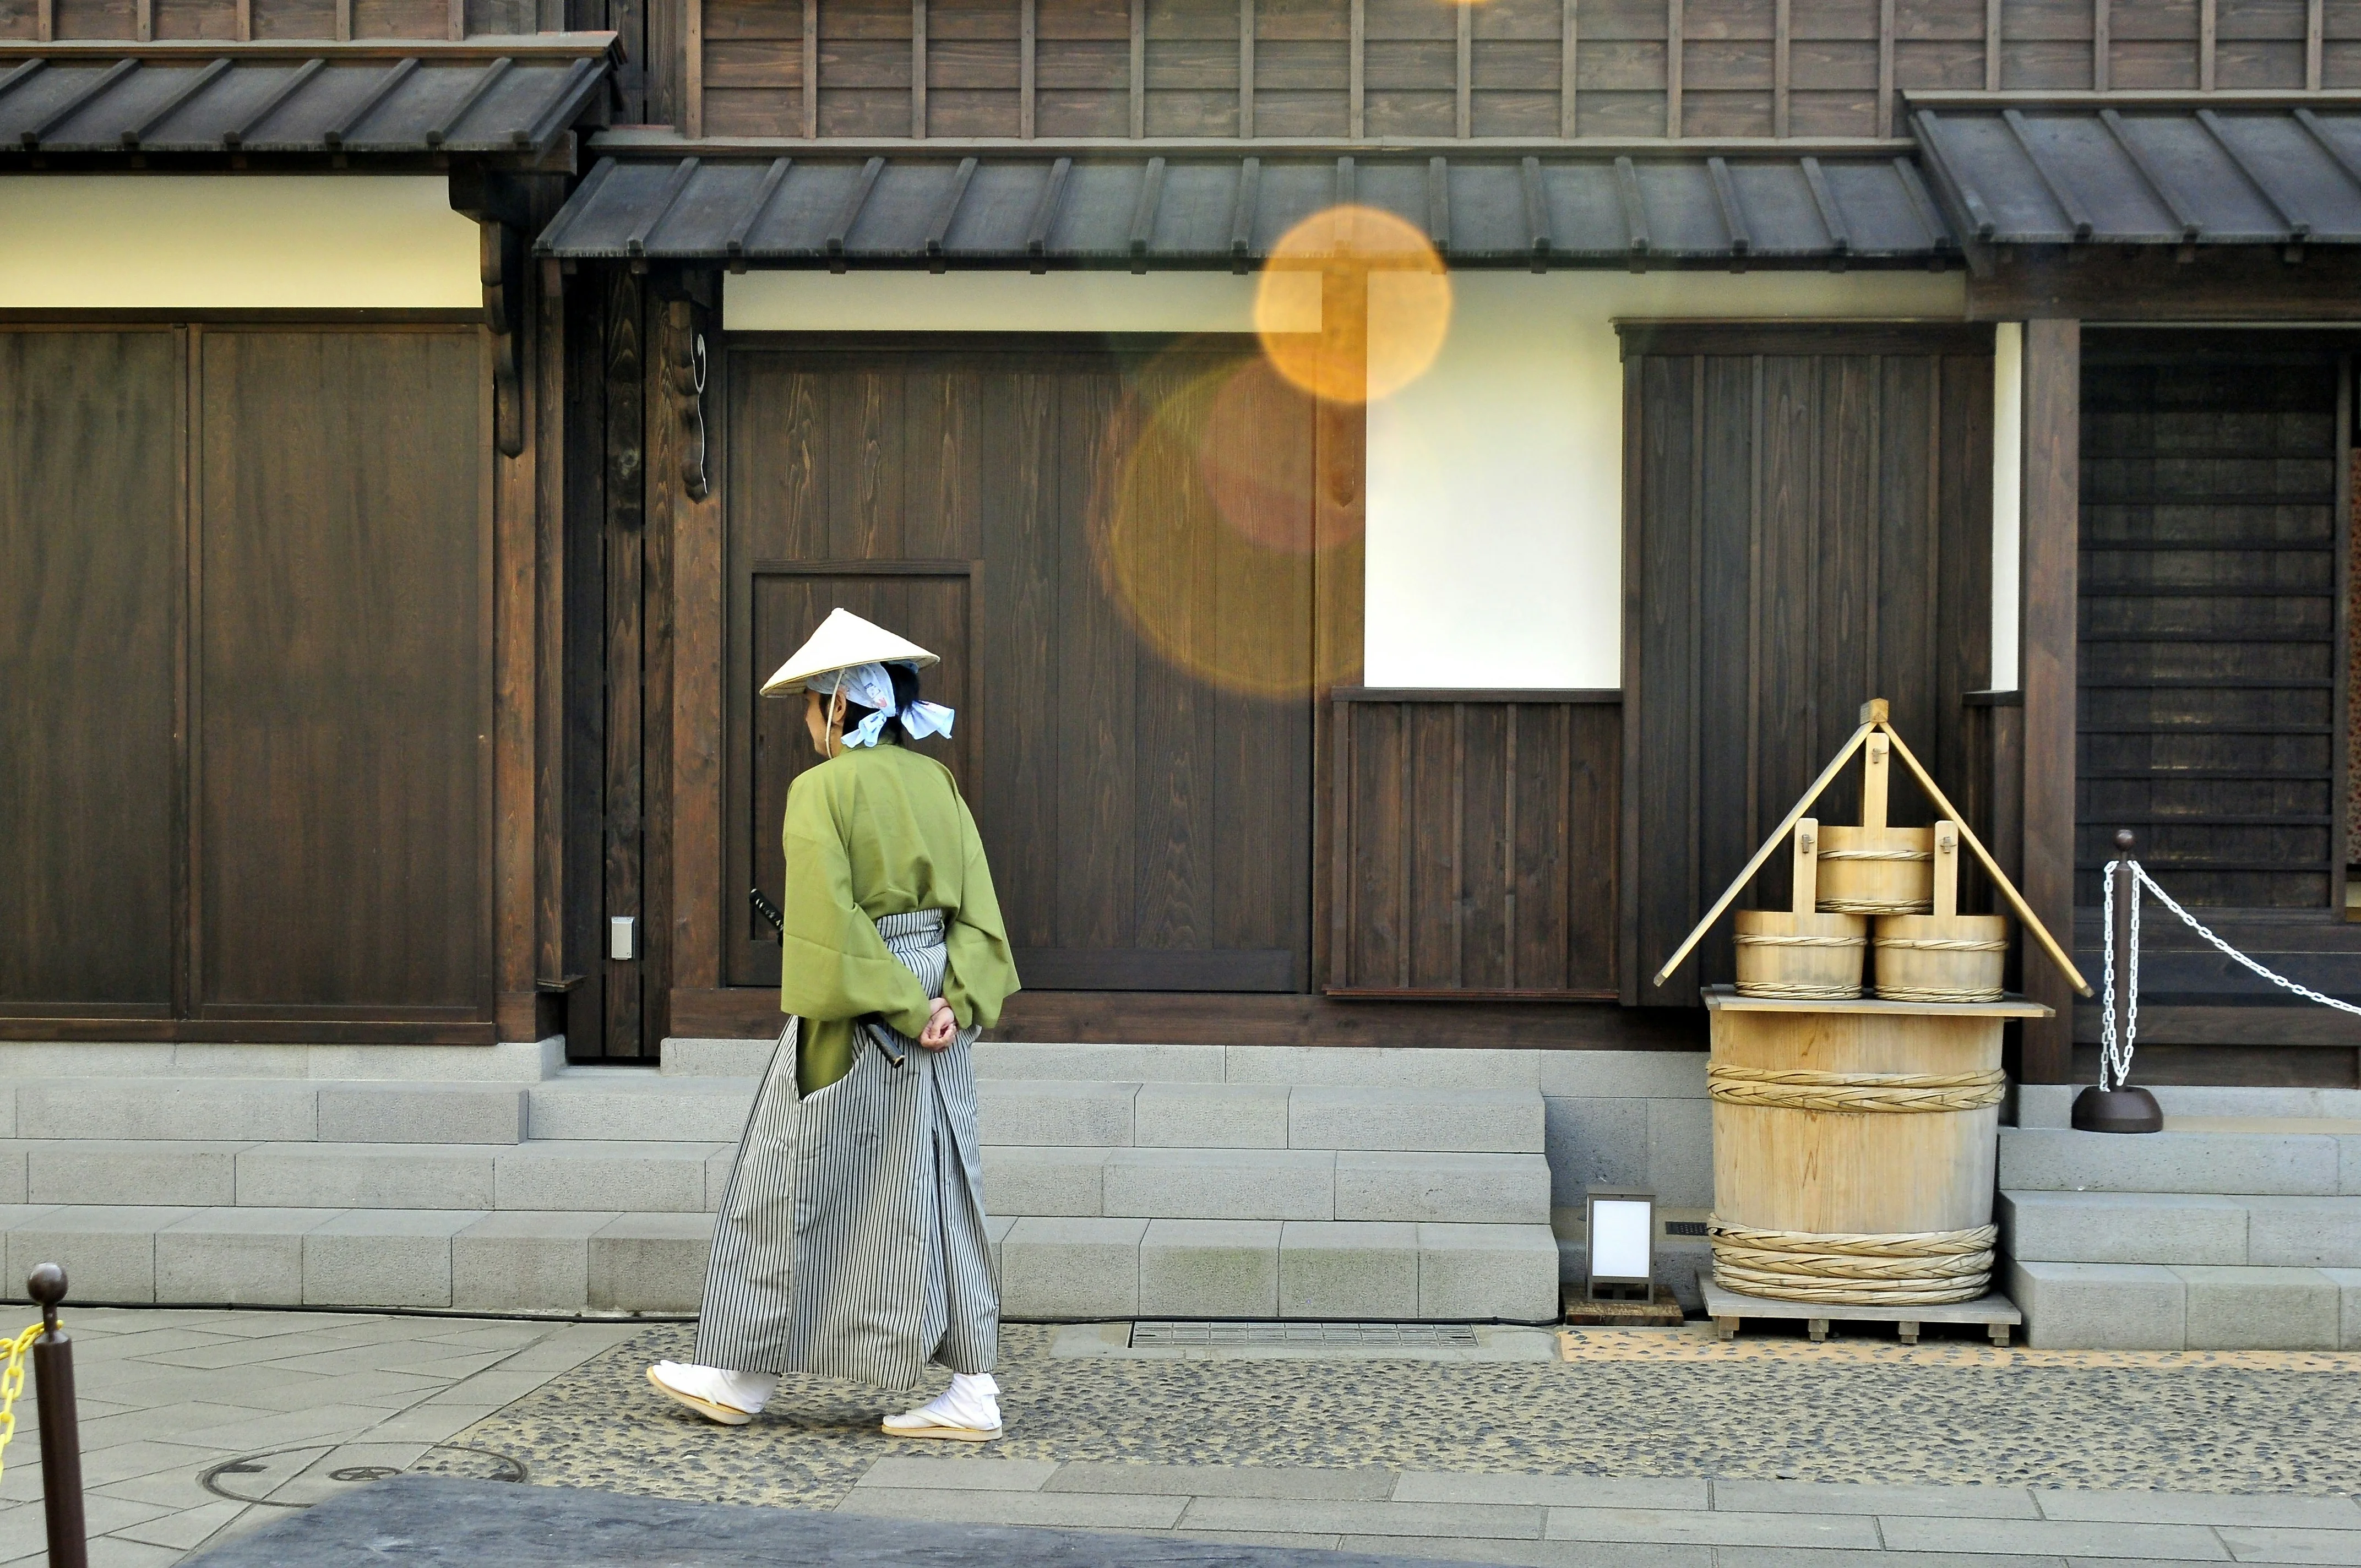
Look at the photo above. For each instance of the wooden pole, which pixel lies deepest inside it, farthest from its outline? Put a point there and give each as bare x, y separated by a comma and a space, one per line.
2000, 878
60, 1434
1778, 837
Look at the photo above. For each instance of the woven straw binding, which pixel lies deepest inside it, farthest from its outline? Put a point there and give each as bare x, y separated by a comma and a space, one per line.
1877, 906
1876, 854
1753, 939
1943, 944
1789, 991
1909, 1268
1799, 1089
1934, 993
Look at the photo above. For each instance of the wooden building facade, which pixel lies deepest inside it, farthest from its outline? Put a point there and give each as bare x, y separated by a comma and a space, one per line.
370, 662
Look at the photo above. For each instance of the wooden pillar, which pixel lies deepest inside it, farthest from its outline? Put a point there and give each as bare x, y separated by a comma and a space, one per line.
2053, 514
689, 820
1340, 437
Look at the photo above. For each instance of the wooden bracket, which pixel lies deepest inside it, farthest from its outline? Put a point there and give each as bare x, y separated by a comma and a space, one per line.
685, 356
1806, 899
503, 257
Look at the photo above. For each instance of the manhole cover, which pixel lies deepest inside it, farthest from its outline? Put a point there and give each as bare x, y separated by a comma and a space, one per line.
1163, 1332
299, 1477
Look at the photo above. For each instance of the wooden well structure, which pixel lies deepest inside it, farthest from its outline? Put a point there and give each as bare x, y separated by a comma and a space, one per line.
1855, 1116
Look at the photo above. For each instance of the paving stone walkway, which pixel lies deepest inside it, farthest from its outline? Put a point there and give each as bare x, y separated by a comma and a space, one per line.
1656, 1448
196, 1425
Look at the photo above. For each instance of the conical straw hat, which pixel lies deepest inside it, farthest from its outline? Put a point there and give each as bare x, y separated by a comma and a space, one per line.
843, 640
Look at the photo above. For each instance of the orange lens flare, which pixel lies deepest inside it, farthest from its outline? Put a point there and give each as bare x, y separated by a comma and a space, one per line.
1358, 254
1206, 529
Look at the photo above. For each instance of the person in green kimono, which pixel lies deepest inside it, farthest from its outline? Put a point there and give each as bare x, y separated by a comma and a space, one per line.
851, 1242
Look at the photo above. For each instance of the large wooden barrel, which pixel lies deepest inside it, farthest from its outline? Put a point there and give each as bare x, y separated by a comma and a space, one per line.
1853, 1148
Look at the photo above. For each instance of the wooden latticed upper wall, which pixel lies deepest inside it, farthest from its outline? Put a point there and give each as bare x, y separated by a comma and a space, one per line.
1327, 69
1396, 69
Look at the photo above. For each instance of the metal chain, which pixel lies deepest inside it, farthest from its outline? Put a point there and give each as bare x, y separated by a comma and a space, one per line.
2227, 951
2116, 1050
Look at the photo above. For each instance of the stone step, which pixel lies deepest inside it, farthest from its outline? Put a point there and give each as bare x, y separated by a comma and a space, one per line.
2052, 1104
652, 1262
684, 1178
2056, 1160
621, 1104
1066, 1181
2145, 1306
1081, 1270
2195, 1228
217, 1109
1097, 1114
1420, 1067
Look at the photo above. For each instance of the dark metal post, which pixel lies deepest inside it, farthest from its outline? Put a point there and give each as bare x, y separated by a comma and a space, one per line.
2120, 1109
61, 1433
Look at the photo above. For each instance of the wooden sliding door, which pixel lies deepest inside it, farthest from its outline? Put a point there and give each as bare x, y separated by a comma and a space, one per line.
1112, 551
245, 683
90, 670
1807, 525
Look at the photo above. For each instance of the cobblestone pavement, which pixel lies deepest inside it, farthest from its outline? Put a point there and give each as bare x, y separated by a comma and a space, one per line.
1663, 1449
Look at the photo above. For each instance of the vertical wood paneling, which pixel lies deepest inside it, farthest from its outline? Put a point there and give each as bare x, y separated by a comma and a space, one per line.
1795, 495
1476, 843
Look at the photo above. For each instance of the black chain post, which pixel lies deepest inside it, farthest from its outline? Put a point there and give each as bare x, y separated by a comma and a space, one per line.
61, 1433
2121, 1109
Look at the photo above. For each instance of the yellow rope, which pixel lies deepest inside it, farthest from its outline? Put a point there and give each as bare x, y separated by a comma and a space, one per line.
1800, 1088
1877, 906
1781, 991
1759, 939
1876, 854
12, 1383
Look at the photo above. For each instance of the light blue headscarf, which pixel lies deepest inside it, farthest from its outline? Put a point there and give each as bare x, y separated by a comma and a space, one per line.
873, 688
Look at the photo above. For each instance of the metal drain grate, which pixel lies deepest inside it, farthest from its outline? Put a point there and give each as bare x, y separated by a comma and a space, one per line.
1144, 1335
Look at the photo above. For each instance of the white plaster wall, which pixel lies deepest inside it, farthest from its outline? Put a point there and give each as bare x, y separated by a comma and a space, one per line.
1009, 302
234, 242
2008, 501
1495, 481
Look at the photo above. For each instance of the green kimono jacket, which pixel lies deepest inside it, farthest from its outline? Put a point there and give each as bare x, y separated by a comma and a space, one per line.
874, 831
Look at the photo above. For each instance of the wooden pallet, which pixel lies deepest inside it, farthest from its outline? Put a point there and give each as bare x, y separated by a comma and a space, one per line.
1730, 1310
1580, 1312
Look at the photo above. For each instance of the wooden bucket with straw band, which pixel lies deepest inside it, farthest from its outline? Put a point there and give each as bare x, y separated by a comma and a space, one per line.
1874, 869
1944, 956
1800, 954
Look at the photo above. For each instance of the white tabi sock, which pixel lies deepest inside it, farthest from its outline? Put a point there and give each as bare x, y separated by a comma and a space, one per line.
748, 1391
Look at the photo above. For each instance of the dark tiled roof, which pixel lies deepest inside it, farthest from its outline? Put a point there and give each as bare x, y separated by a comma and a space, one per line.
489, 95
1021, 209
2147, 172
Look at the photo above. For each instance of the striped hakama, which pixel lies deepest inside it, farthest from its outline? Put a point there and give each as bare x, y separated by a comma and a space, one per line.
851, 1241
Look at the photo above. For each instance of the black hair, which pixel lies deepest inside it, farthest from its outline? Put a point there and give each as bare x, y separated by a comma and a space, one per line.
905, 692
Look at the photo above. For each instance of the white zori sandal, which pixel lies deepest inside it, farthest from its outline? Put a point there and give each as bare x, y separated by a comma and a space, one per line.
733, 1398
968, 1411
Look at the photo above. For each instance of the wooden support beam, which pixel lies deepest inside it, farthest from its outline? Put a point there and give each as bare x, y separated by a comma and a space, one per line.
1991, 45
1138, 68
811, 67
1569, 39
1356, 68
1340, 458
1885, 68
1673, 30
1029, 33
2314, 27
245, 20
918, 69
2102, 42
143, 19
2052, 522
2208, 31
1463, 71
455, 19
1783, 38
1246, 65
692, 25
343, 19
